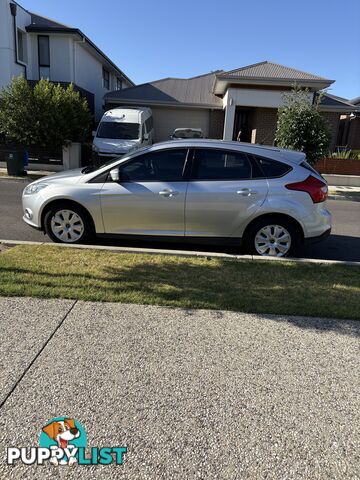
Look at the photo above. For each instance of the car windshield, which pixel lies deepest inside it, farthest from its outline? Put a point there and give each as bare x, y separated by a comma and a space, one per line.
118, 130
187, 133
93, 167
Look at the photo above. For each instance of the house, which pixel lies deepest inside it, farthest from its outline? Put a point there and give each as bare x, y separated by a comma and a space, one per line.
349, 131
224, 103
37, 47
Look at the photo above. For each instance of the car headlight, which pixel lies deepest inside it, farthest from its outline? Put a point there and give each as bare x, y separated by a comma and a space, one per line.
95, 148
34, 188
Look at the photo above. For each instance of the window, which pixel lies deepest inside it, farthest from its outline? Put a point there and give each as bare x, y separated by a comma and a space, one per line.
163, 166
44, 56
118, 83
220, 165
106, 79
272, 168
21, 45
121, 131
44, 51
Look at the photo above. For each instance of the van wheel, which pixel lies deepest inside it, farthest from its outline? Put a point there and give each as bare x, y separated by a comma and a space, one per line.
273, 237
66, 223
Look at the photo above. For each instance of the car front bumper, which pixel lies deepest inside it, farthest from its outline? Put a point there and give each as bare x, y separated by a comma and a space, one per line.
32, 205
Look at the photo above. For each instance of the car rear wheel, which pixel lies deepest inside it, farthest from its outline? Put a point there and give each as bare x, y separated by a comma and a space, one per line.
68, 224
273, 237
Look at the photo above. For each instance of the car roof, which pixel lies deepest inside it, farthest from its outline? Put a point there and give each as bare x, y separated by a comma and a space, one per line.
291, 156
195, 142
266, 150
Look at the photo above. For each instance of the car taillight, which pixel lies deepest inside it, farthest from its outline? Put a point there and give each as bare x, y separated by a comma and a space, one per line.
317, 189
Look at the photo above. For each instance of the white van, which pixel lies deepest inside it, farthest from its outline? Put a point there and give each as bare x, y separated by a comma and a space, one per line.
123, 129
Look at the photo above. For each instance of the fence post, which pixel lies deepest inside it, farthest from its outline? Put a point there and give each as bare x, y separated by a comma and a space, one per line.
72, 155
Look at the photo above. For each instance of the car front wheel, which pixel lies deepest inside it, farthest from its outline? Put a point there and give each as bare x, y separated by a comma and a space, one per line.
68, 224
273, 238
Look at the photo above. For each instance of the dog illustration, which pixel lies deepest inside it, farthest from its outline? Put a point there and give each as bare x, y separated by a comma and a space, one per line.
62, 431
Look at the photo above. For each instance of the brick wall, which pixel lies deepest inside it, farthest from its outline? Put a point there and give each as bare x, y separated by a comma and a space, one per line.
216, 124
332, 119
340, 166
264, 120
263, 123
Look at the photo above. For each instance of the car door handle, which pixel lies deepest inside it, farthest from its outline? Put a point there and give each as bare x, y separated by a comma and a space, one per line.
246, 192
168, 193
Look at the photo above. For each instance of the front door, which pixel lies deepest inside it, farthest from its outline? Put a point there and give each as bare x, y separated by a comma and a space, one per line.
149, 198
224, 190
242, 130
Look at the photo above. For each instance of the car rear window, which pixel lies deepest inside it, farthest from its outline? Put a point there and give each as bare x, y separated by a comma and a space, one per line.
272, 168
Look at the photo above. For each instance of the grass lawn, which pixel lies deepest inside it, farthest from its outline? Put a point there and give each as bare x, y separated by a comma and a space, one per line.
246, 286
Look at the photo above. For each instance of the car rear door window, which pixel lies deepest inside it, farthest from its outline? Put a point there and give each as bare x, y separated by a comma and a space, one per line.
272, 168
215, 164
162, 166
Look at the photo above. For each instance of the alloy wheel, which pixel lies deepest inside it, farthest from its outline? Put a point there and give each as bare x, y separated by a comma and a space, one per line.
273, 241
67, 226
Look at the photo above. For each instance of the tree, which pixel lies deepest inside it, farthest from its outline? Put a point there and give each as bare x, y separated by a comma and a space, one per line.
47, 115
301, 127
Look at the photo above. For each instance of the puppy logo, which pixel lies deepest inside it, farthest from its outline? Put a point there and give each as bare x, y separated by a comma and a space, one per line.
63, 436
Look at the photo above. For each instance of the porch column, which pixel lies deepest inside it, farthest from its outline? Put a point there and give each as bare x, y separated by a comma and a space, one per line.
229, 121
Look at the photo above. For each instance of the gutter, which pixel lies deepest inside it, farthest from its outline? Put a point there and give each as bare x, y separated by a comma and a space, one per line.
13, 10
329, 108
155, 103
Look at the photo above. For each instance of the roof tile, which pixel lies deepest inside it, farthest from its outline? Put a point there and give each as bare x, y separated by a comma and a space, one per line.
269, 70
190, 91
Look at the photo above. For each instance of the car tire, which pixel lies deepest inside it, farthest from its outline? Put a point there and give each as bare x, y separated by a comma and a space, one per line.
68, 223
273, 236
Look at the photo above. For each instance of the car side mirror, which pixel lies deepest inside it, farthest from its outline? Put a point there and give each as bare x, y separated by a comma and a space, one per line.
115, 174
93, 133
146, 136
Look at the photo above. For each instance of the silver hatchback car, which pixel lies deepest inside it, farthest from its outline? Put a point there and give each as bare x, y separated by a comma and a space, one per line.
268, 199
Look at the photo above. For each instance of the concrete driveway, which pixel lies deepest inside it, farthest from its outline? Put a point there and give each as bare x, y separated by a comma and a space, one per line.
344, 243
192, 394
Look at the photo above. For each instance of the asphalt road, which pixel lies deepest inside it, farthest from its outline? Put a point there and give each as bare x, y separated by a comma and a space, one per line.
190, 393
343, 244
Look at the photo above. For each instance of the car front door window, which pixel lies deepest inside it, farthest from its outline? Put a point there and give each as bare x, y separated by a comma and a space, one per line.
164, 166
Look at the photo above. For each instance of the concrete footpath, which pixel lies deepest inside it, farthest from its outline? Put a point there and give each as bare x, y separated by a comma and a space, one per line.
191, 393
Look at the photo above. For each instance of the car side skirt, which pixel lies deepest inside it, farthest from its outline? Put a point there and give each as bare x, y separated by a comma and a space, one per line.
233, 241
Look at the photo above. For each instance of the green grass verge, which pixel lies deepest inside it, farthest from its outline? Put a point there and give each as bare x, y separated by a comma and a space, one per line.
259, 287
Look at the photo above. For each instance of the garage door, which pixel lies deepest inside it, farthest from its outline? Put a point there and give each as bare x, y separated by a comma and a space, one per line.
167, 119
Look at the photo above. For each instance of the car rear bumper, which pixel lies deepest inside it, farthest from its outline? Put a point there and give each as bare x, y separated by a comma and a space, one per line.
318, 223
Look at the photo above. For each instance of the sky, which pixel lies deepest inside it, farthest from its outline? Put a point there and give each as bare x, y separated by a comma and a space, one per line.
154, 39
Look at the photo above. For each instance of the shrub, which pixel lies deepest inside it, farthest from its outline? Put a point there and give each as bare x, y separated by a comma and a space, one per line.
47, 115
301, 127
345, 154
